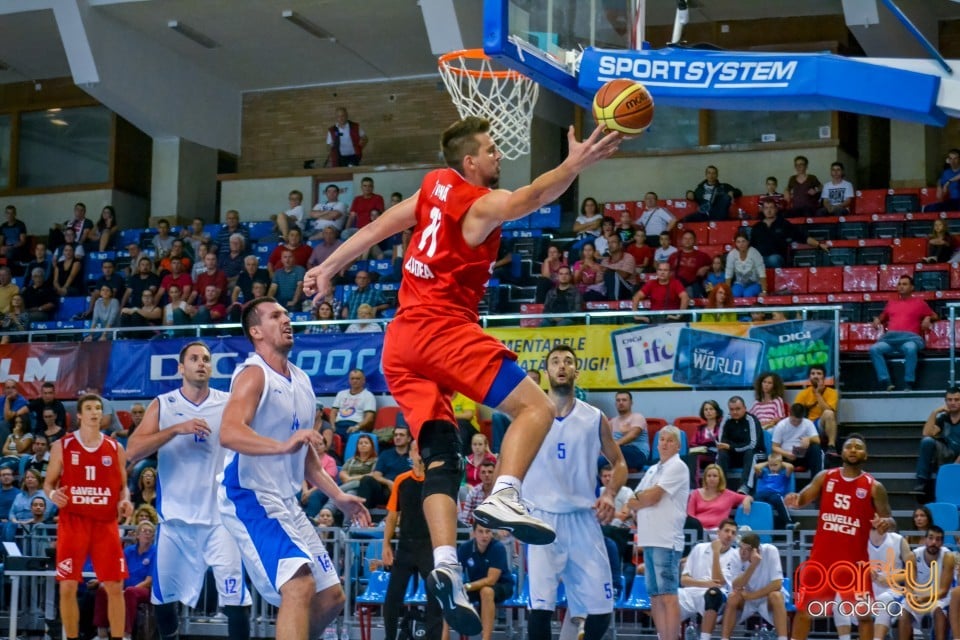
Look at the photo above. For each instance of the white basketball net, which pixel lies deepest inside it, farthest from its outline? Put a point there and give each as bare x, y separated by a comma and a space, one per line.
505, 98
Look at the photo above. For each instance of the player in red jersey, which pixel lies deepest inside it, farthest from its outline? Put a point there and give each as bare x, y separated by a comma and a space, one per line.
87, 480
851, 502
434, 346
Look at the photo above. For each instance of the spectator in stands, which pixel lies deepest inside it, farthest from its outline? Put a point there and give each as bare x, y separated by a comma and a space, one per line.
478, 492
194, 236
39, 298
803, 190
926, 598
140, 558
746, 273
906, 319
922, 519
361, 207
948, 185
769, 406
346, 140
51, 426
301, 252
178, 276
479, 454
608, 228
625, 228
549, 272
176, 252
365, 293
706, 578
939, 242
20, 512
820, 402
465, 413
365, 321
797, 440
331, 213
106, 314
773, 235
144, 279
587, 274
721, 297
233, 265
375, 488
665, 293
211, 310
129, 259
8, 289
489, 580
162, 243
20, 440
354, 409
15, 320
619, 271
703, 445
740, 439
630, 431
148, 314
757, 587
69, 241
563, 298
773, 477
837, 194
941, 440
212, 276
641, 251
40, 454
287, 282
243, 289
357, 467
713, 198
230, 227
8, 492
587, 225
47, 400
311, 498
43, 260
323, 249
712, 503
108, 278
177, 311
770, 194
690, 265
198, 265
103, 236
654, 219
14, 405
664, 250
79, 225
323, 311
14, 233
293, 217
146, 492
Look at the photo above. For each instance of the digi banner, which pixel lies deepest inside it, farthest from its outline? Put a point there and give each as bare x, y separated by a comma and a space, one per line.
792, 347
705, 359
70, 366
146, 368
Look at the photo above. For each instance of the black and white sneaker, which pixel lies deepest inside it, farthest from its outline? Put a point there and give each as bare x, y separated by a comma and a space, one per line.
505, 510
445, 583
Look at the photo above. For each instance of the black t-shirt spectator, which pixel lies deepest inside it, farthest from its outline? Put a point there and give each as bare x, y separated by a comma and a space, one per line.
37, 407
34, 298
115, 282
775, 239
138, 285
245, 282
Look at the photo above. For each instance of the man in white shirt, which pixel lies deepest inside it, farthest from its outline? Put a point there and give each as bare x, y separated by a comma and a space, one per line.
837, 194
331, 213
707, 578
354, 409
654, 219
661, 507
757, 587
796, 439
292, 217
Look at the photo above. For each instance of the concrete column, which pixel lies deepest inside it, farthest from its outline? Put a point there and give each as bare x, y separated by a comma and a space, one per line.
915, 157
184, 180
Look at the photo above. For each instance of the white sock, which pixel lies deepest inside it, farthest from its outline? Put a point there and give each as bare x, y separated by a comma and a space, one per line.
447, 555
704, 635
844, 636
781, 637
506, 482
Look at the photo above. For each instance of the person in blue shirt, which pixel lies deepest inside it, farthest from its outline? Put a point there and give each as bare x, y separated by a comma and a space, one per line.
773, 478
948, 185
141, 556
489, 580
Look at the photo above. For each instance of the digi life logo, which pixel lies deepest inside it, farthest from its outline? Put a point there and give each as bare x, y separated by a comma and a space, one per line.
644, 353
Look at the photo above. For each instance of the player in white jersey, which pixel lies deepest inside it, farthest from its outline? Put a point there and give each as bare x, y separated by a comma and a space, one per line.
707, 578
268, 427
757, 588
563, 476
931, 567
183, 428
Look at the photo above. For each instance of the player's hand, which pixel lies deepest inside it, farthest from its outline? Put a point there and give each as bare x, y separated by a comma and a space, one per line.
193, 427
387, 555
317, 284
600, 145
792, 500
881, 524
716, 546
723, 446
605, 508
59, 497
353, 509
300, 438
125, 509
755, 556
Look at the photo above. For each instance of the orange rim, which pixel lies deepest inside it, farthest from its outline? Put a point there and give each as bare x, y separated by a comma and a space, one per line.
445, 62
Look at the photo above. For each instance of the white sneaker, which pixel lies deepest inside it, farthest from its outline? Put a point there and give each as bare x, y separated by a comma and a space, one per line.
446, 585
505, 510
581, 627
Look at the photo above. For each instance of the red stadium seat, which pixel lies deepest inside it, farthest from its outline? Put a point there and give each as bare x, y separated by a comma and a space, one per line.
531, 308
750, 205
825, 280
870, 201
613, 209
860, 278
723, 232
908, 250
715, 249
939, 336
790, 279
125, 418
700, 229
954, 275
861, 336
680, 208
689, 425
889, 275
654, 425
928, 195
386, 417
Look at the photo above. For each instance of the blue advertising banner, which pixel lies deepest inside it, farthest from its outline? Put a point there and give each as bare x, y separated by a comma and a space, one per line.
705, 359
146, 368
791, 347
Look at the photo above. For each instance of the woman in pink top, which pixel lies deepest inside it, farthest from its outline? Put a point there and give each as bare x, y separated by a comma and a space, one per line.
769, 407
587, 274
712, 503
480, 453
549, 272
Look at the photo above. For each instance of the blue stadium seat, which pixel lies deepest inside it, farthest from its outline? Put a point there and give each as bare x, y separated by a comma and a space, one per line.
948, 484
212, 229
358, 265
128, 236
350, 449
760, 519
258, 230
521, 594
381, 267
945, 515
71, 306
416, 592
376, 590
791, 606
639, 598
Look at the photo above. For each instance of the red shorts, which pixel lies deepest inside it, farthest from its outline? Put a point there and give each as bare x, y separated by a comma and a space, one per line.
428, 357
822, 581
79, 538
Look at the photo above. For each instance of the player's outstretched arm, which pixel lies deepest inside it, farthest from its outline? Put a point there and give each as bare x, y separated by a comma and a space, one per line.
401, 216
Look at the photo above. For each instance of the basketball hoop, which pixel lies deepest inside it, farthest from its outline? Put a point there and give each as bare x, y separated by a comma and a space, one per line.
505, 98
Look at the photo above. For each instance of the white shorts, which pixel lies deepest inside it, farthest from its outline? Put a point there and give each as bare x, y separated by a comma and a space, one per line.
760, 607
275, 538
691, 601
184, 551
578, 558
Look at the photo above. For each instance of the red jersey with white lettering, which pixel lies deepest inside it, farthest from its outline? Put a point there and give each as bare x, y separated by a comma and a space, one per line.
91, 478
442, 270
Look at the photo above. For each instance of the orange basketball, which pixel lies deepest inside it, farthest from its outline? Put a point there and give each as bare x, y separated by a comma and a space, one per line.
623, 105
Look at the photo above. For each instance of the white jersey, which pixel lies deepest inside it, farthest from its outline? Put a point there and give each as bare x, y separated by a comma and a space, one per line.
922, 568
286, 405
187, 466
766, 572
889, 553
699, 565
563, 476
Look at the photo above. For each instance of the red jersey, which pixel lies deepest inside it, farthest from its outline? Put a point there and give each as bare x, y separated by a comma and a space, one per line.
843, 525
91, 478
442, 270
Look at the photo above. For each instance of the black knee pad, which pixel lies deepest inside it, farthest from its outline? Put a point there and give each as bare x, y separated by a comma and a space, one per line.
713, 599
596, 625
439, 441
538, 625
168, 620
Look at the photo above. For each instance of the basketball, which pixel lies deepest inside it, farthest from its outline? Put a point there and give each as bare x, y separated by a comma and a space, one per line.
623, 105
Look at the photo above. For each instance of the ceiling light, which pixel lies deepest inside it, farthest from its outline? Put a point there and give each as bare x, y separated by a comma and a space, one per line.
192, 34
60, 122
54, 110
317, 32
